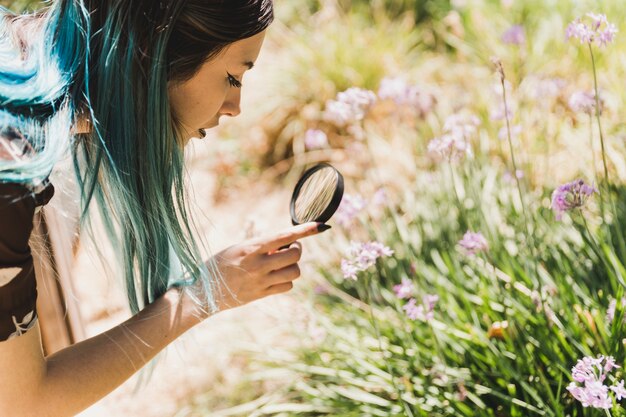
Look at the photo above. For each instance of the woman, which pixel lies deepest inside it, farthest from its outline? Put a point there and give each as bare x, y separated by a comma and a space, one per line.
125, 84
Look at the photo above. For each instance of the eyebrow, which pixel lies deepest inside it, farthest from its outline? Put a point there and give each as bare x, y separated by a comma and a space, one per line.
248, 64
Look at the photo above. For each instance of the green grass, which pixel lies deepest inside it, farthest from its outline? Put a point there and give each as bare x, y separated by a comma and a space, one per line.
524, 373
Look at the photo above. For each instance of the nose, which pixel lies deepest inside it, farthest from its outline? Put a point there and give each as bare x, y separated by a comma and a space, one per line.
231, 106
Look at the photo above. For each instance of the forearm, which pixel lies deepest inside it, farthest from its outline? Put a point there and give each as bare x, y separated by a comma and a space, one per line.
82, 374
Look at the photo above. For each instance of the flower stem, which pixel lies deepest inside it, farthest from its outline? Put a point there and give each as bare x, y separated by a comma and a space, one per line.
593, 161
595, 84
596, 247
529, 231
598, 251
407, 408
620, 238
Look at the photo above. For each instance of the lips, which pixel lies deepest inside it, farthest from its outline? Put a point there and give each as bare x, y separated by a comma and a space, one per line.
202, 131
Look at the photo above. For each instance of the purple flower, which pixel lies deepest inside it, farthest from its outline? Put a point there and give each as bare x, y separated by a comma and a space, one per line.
349, 269
592, 374
454, 143
473, 243
593, 394
450, 146
430, 300
619, 390
349, 208
315, 139
461, 124
413, 311
358, 98
363, 255
583, 102
610, 364
580, 31
366, 254
571, 196
403, 94
376, 248
423, 312
610, 312
338, 113
599, 31
405, 289
350, 106
606, 36
419, 100
515, 35
603, 36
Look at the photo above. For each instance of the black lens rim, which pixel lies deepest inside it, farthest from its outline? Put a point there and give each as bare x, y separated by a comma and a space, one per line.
334, 202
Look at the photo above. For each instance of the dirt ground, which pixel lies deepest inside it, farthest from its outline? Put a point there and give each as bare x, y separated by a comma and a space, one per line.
204, 360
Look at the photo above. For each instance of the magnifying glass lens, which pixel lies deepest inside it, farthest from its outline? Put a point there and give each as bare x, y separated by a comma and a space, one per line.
317, 195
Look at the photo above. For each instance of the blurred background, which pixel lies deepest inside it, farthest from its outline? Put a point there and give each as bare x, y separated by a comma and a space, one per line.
509, 325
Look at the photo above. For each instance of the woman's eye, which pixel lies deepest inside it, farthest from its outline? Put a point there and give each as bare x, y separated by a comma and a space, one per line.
233, 81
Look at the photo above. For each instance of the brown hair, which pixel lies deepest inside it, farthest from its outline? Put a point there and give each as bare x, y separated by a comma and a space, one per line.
199, 29
205, 28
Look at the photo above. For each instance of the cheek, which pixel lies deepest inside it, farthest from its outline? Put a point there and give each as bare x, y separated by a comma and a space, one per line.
195, 105
209, 105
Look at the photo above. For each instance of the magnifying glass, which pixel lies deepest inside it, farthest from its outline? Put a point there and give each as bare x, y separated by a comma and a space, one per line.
317, 195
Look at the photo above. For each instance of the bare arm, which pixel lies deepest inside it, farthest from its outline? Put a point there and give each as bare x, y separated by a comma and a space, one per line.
72, 379
76, 377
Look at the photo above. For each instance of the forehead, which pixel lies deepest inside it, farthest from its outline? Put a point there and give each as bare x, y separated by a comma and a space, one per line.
244, 51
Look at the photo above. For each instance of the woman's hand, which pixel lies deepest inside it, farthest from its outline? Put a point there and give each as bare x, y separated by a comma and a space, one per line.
258, 267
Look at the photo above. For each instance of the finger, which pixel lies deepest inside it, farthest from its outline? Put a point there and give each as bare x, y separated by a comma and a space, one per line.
279, 288
281, 259
285, 247
290, 273
287, 236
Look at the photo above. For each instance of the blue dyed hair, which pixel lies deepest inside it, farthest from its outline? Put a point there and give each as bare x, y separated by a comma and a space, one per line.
110, 61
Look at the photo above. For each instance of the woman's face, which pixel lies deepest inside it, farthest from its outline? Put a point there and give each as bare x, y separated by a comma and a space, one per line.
215, 90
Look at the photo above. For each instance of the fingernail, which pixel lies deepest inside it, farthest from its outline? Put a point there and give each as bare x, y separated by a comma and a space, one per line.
323, 227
